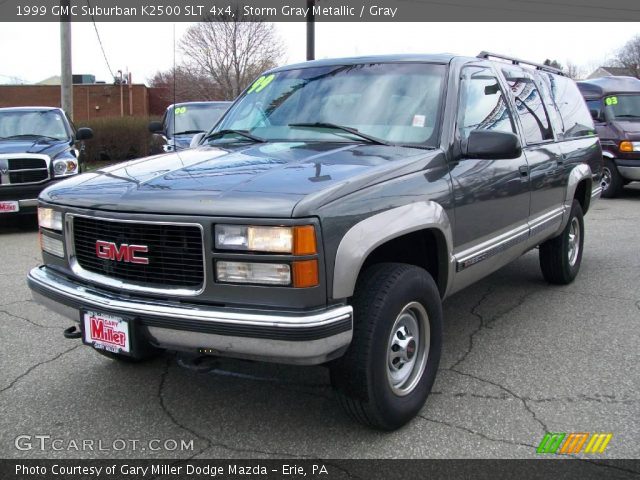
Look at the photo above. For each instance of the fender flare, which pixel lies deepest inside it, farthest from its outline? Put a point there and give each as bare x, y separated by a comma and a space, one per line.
365, 236
578, 174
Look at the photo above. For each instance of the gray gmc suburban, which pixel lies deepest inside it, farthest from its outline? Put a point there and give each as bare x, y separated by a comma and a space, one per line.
325, 218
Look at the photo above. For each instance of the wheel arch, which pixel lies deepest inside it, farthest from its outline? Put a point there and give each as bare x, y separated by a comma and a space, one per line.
418, 234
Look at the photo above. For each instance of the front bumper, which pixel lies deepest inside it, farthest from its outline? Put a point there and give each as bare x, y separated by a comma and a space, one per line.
306, 338
629, 169
25, 195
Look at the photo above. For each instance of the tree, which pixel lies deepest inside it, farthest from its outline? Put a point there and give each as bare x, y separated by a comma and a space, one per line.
629, 56
189, 86
231, 50
573, 71
553, 63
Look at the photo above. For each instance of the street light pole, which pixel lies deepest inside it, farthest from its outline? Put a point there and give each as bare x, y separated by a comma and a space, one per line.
311, 31
66, 77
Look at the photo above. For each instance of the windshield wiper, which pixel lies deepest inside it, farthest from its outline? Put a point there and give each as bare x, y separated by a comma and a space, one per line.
334, 126
188, 132
25, 135
628, 116
242, 133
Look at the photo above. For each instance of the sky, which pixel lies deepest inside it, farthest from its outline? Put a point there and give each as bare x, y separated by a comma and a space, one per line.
144, 48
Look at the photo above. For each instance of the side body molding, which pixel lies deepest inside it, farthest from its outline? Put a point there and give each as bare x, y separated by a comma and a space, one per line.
606, 153
372, 232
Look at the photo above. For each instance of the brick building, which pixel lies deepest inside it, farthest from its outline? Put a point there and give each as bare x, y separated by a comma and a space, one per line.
91, 101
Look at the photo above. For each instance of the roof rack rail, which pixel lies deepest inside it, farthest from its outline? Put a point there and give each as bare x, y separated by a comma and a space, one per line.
517, 61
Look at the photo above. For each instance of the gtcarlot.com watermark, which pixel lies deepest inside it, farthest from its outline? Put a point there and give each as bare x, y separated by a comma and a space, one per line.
45, 443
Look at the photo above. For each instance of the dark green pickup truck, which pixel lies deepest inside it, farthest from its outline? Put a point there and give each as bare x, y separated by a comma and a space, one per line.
325, 218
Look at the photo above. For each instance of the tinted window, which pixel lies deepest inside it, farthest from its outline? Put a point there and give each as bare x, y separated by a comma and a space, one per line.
482, 104
529, 104
596, 107
576, 120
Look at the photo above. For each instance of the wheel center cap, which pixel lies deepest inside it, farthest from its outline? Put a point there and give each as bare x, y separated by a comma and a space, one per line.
411, 349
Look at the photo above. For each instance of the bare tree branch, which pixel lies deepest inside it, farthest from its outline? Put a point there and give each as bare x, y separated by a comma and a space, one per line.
629, 56
231, 50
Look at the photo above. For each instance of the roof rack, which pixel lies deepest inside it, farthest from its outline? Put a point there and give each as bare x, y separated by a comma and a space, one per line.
517, 61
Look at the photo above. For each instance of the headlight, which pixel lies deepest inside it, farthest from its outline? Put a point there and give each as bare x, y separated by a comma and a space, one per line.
170, 146
299, 240
50, 218
248, 272
65, 167
627, 146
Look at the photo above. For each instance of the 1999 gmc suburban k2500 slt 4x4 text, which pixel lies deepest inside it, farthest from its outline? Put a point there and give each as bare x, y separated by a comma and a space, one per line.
326, 216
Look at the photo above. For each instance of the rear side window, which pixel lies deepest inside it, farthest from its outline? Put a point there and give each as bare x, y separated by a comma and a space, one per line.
531, 110
575, 116
596, 107
482, 104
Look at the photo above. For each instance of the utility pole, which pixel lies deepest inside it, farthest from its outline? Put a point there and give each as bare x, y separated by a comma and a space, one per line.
311, 31
66, 77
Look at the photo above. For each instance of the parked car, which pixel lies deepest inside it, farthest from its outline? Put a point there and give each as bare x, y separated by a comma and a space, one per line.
614, 103
326, 217
182, 121
38, 146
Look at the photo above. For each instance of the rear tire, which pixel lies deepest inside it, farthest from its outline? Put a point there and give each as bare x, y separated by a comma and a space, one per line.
561, 256
385, 376
612, 181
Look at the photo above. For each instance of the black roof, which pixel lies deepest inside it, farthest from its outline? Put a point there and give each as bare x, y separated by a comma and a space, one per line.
599, 87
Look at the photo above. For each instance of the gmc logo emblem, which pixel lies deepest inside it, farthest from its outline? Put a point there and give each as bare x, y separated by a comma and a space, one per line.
123, 253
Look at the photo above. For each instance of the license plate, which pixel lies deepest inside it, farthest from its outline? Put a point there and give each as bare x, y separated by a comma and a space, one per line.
7, 207
106, 332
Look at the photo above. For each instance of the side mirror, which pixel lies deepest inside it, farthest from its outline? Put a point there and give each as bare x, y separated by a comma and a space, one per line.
195, 141
155, 127
490, 145
595, 114
84, 133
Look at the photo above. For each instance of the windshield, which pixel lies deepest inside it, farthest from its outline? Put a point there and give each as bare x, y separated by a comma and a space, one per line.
32, 123
194, 118
623, 106
396, 103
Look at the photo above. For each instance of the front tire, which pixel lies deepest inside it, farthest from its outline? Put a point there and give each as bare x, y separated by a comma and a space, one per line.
612, 182
385, 376
560, 257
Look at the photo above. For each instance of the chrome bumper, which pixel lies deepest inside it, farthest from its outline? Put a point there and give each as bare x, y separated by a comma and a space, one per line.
30, 202
307, 338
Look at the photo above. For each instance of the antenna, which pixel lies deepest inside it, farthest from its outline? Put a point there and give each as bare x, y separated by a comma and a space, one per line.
174, 84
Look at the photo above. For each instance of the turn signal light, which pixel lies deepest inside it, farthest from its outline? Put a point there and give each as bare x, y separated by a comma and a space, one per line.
304, 240
305, 273
626, 146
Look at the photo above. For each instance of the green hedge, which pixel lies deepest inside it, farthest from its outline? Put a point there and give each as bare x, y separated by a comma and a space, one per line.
117, 139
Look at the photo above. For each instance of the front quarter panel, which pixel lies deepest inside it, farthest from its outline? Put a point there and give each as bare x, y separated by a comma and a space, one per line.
354, 225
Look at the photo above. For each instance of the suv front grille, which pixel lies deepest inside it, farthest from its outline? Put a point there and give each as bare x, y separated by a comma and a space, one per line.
174, 252
16, 171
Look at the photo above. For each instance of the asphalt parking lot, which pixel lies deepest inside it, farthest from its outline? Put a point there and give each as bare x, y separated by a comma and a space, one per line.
520, 358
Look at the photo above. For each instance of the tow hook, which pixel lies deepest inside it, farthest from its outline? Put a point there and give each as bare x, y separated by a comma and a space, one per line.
72, 332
